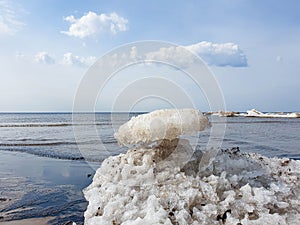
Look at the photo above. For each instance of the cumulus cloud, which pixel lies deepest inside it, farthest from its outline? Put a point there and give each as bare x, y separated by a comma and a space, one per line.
44, 57
174, 55
70, 59
225, 54
93, 23
9, 21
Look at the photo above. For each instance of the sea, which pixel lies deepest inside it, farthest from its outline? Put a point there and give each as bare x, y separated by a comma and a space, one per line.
63, 150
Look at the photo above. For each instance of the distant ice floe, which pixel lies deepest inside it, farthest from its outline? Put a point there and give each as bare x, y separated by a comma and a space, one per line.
146, 186
255, 113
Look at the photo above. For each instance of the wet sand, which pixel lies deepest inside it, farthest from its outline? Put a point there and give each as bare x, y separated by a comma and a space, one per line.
42, 189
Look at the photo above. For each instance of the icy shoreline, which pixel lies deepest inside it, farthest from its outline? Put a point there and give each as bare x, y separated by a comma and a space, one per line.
255, 113
151, 185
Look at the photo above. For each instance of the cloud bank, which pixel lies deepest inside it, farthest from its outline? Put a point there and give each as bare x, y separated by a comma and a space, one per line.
93, 24
221, 55
174, 55
70, 59
225, 54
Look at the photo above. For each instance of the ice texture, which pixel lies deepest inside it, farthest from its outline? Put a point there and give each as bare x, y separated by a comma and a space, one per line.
161, 124
146, 185
238, 188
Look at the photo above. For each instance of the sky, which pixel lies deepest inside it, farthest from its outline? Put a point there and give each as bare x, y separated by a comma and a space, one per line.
251, 46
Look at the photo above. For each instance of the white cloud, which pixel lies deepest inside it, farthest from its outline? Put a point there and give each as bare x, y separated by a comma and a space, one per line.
278, 58
133, 52
70, 59
20, 56
9, 21
44, 57
225, 54
174, 55
92, 24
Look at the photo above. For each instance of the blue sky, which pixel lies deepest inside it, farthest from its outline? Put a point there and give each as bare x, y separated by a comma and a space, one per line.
252, 46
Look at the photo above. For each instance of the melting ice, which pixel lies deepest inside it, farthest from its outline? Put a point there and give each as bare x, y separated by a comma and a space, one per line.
150, 184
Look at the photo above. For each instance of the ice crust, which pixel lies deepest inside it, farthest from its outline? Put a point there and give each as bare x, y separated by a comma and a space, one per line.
256, 113
146, 186
161, 124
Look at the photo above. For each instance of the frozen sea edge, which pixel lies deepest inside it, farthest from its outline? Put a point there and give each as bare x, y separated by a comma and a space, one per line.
147, 186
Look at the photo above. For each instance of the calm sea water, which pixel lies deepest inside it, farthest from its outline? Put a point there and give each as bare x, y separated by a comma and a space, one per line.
51, 135
51, 184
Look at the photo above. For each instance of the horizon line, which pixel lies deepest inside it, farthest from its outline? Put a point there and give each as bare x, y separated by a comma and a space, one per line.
91, 112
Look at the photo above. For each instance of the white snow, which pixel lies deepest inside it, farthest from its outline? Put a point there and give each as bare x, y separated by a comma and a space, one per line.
146, 185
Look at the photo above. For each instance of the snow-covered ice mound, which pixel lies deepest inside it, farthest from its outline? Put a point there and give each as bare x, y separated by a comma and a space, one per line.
161, 124
255, 113
146, 186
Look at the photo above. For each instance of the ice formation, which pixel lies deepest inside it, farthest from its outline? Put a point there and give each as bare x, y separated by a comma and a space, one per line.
161, 124
145, 186
255, 113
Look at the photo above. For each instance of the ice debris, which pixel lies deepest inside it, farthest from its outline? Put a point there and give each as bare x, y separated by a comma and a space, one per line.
146, 186
255, 113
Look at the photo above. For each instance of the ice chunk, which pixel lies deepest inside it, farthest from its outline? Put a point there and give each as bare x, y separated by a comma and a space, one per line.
255, 113
161, 124
148, 185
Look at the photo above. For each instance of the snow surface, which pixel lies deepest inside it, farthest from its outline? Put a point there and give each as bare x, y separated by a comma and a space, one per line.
161, 124
146, 186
